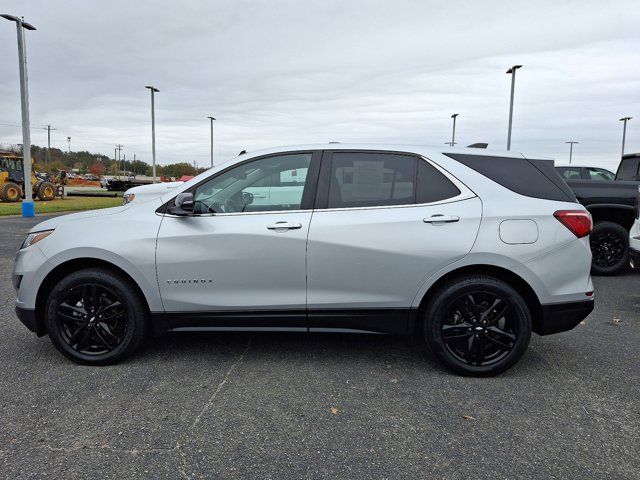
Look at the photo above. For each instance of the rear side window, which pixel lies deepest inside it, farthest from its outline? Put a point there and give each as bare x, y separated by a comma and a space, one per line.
433, 186
600, 175
532, 178
371, 179
570, 173
628, 169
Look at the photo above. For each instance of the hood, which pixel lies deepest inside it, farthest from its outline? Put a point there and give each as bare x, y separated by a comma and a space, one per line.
52, 223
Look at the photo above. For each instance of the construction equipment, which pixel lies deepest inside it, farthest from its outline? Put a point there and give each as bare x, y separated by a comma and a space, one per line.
12, 181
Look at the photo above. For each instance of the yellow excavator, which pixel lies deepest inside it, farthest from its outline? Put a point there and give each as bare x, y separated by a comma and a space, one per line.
12, 181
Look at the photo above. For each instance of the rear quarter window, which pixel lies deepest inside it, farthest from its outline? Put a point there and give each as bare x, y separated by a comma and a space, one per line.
529, 177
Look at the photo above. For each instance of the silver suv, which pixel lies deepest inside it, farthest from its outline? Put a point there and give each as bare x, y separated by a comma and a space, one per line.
467, 250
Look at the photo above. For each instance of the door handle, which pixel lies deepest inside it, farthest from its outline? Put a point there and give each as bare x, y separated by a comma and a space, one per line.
284, 226
439, 218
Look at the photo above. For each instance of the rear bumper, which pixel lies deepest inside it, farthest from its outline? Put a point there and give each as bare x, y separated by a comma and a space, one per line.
28, 317
560, 317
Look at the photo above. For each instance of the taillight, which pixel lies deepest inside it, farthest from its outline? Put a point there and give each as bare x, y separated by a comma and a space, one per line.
578, 221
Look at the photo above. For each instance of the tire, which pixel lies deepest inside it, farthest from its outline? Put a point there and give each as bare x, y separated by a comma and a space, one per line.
46, 191
10, 192
610, 248
79, 334
474, 348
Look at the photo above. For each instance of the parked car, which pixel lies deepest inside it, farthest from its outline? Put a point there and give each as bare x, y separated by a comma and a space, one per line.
576, 172
614, 207
142, 193
469, 251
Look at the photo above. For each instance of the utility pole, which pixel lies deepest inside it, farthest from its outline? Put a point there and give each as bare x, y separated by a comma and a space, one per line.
453, 135
571, 150
119, 148
212, 120
133, 165
28, 207
511, 71
48, 129
153, 130
624, 130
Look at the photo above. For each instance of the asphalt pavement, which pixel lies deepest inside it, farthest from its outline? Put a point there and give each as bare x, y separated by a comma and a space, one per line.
299, 406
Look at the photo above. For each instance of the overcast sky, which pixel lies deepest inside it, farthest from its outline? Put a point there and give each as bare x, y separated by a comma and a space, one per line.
289, 72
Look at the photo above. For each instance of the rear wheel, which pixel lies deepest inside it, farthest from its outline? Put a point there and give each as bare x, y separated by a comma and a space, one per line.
95, 317
477, 326
610, 248
46, 191
10, 192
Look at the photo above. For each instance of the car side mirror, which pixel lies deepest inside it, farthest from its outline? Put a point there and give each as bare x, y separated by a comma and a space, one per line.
183, 204
247, 198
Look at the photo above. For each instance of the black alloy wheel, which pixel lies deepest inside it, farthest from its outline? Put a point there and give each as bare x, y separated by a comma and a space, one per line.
477, 325
609, 248
96, 317
91, 319
479, 328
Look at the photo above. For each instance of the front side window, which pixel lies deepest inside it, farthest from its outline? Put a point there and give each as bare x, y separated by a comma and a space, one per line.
600, 175
268, 184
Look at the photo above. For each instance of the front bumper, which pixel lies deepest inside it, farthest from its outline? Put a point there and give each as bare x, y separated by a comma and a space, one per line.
560, 317
28, 317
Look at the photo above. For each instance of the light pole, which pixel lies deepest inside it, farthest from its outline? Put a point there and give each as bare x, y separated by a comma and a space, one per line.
69, 146
511, 71
212, 120
153, 130
624, 130
571, 150
28, 207
453, 135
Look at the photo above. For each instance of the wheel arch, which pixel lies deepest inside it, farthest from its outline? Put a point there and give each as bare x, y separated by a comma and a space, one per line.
516, 281
65, 268
623, 215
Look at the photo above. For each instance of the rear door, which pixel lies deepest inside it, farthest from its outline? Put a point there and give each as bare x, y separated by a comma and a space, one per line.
383, 223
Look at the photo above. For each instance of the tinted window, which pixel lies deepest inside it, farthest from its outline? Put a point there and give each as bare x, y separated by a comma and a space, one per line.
600, 174
628, 169
371, 179
433, 185
570, 173
267, 184
533, 178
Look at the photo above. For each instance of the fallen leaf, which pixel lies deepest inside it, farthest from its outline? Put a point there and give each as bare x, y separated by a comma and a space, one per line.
334, 410
468, 417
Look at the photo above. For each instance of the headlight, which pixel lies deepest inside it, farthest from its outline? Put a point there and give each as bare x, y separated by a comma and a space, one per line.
128, 198
35, 237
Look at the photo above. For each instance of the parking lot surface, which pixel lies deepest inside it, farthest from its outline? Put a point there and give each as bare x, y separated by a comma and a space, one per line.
322, 406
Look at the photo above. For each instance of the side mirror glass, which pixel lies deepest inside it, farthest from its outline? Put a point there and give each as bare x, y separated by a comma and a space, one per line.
247, 198
183, 204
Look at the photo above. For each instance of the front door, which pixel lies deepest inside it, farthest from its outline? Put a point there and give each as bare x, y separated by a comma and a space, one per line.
240, 259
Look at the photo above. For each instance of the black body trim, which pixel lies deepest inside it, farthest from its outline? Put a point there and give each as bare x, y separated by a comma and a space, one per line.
28, 317
393, 321
560, 317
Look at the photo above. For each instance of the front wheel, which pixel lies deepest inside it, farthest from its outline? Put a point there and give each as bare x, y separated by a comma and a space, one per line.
94, 317
46, 191
610, 248
477, 326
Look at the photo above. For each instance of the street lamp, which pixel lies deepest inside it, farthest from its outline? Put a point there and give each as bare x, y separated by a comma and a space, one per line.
153, 129
212, 120
69, 146
28, 207
571, 150
511, 71
453, 135
624, 130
